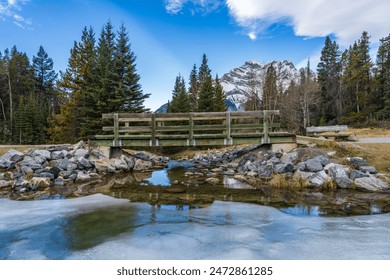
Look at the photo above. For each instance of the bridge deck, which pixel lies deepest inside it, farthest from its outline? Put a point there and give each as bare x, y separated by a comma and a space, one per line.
191, 129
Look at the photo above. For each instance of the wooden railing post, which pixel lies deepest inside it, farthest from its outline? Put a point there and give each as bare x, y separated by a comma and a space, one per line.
153, 126
116, 130
228, 129
191, 128
265, 127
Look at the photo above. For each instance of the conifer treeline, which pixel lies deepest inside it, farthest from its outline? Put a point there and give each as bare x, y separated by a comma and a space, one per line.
204, 93
101, 77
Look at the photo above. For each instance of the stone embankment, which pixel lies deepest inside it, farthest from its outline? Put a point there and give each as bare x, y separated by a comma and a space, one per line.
26, 173
302, 168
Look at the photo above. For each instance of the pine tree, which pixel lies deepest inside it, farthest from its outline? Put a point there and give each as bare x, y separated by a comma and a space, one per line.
270, 90
77, 107
193, 90
329, 75
204, 71
180, 99
383, 78
206, 96
129, 95
219, 97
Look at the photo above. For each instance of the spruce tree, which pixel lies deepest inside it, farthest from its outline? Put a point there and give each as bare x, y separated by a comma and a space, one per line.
219, 97
180, 99
382, 78
193, 90
270, 90
206, 96
204, 71
329, 75
129, 95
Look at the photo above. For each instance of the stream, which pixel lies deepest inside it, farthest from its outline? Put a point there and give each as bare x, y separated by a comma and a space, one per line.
174, 215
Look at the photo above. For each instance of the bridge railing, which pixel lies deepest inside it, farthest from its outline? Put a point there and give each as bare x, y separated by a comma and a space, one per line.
189, 129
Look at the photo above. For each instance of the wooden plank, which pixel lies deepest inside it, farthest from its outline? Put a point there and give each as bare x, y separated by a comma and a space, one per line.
335, 128
116, 130
228, 126
191, 127
211, 136
108, 128
209, 127
153, 127
265, 126
172, 128
123, 129
172, 137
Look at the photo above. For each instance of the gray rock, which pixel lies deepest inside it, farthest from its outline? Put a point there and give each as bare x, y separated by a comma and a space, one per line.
316, 181
273, 160
71, 166
39, 159
120, 164
95, 176
26, 170
265, 171
56, 148
323, 159
284, 168
313, 165
72, 176
41, 153
212, 180
80, 153
289, 157
61, 163
340, 175
58, 155
79, 145
59, 182
368, 169
371, 184
82, 177
104, 166
141, 165
29, 162
357, 162
129, 160
355, 174
45, 175
10, 158
142, 156
301, 166
84, 163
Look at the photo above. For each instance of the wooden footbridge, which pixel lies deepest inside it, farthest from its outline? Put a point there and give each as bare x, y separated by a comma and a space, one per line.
191, 129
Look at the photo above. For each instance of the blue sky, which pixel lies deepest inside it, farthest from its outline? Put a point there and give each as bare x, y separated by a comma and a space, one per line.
169, 36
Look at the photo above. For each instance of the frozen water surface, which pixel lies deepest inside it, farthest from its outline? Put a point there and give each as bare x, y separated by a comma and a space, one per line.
101, 227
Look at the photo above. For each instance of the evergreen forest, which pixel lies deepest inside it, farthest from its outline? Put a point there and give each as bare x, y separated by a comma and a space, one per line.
38, 105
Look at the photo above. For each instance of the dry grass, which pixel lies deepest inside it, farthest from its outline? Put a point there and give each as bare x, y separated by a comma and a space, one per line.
279, 181
370, 132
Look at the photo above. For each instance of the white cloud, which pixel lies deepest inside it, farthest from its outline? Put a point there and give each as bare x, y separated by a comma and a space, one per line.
174, 6
202, 6
10, 10
315, 18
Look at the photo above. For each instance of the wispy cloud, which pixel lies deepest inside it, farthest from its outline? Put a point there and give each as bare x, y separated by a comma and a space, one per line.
11, 10
345, 19
196, 6
315, 18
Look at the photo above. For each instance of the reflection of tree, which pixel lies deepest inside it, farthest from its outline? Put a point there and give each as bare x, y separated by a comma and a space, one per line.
90, 229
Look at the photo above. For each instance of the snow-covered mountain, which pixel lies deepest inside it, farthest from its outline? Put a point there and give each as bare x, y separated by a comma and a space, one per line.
239, 82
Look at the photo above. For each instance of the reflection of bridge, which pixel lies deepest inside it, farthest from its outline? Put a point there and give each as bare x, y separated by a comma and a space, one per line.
191, 129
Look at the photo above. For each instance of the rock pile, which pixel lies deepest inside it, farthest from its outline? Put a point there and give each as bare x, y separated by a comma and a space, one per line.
308, 167
36, 169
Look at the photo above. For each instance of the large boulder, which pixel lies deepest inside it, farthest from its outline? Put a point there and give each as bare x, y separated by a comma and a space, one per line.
141, 165
84, 163
80, 153
10, 158
59, 154
104, 166
289, 157
371, 183
120, 164
368, 169
41, 153
265, 171
284, 168
355, 174
340, 174
129, 160
313, 165
212, 180
30, 162
82, 177
356, 162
